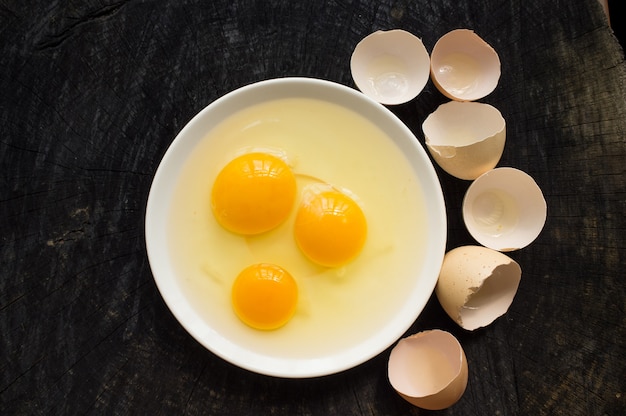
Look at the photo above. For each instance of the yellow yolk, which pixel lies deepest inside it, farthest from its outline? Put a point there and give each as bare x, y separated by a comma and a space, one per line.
330, 228
253, 193
264, 296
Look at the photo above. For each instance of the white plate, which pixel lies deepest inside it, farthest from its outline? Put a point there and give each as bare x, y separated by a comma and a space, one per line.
381, 335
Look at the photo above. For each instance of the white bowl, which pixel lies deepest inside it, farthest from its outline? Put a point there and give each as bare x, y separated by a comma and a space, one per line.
205, 329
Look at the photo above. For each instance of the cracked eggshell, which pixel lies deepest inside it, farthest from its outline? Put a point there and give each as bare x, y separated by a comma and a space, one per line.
463, 66
429, 369
391, 67
504, 209
465, 139
476, 285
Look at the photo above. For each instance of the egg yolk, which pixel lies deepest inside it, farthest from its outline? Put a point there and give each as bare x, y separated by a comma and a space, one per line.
253, 193
330, 228
264, 296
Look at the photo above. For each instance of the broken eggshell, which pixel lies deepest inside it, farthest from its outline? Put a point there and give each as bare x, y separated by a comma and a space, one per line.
466, 139
476, 285
429, 369
463, 66
504, 209
391, 67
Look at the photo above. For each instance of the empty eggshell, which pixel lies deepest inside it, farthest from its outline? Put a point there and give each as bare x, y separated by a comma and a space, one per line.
504, 209
476, 285
463, 66
429, 369
391, 67
466, 139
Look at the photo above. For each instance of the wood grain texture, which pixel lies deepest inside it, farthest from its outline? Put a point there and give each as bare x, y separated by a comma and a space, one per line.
93, 92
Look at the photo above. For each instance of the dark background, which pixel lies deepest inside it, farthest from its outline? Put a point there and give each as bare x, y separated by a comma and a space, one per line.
92, 93
617, 15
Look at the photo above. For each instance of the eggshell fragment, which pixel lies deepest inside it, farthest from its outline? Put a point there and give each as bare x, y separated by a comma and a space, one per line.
466, 139
463, 66
391, 67
476, 285
504, 209
429, 369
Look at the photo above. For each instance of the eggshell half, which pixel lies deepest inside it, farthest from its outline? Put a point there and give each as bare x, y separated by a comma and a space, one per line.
391, 67
476, 285
463, 66
504, 209
465, 139
429, 369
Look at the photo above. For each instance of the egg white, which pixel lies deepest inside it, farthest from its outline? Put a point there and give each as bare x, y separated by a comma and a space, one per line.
322, 142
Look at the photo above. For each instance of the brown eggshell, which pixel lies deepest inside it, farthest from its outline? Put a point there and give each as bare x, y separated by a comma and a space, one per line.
463, 66
429, 369
476, 285
391, 67
466, 139
504, 209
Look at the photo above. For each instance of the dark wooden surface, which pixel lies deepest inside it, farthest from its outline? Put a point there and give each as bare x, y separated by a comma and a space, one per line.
93, 92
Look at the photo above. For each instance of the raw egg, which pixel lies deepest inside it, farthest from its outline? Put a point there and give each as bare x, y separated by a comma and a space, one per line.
318, 141
264, 296
253, 193
330, 227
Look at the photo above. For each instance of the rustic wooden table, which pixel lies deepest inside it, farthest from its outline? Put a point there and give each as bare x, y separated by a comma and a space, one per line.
93, 92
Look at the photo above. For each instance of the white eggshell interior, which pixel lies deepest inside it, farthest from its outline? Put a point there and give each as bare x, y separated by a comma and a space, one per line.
391, 67
504, 209
463, 66
466, 139
477, 285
